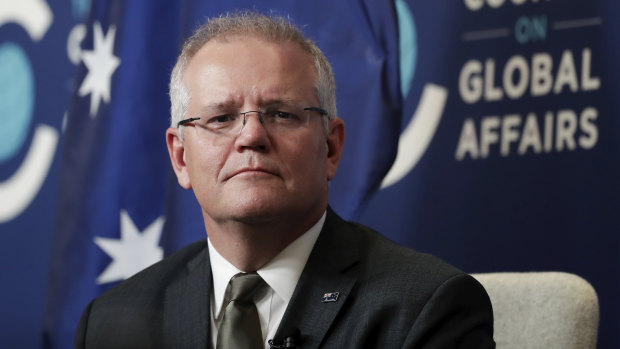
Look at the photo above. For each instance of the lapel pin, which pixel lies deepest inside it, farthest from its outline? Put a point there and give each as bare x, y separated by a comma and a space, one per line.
330, 297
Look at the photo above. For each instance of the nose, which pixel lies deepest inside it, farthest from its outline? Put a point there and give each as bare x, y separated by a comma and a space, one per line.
253, 134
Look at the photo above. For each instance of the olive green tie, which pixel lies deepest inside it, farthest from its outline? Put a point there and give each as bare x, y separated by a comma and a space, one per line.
240, 327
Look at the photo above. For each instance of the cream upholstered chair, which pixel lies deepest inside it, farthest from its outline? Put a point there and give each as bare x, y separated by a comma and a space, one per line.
542, 310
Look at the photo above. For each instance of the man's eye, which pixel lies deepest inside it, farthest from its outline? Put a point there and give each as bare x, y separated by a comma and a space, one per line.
221, 119
282, 115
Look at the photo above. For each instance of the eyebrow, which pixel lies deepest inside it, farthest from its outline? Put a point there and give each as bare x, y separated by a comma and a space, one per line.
217, 107
229, 105
275, 103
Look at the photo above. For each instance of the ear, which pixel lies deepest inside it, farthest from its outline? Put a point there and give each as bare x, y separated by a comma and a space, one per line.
176, 150
335, 143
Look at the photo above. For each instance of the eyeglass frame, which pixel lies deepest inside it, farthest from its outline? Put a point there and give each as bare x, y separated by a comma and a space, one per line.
183, 122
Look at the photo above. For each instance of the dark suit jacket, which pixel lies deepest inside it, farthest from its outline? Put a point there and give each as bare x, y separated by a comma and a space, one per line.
388, 297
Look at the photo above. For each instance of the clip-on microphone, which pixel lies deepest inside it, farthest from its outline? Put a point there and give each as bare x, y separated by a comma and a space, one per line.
291, 336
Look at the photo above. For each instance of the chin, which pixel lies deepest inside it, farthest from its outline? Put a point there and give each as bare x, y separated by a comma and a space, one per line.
259, 211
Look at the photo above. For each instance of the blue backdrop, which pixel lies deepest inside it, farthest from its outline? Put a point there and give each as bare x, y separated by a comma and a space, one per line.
482, 131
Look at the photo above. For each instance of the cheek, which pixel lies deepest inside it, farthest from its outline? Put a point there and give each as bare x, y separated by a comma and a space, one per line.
309, 156
204, 162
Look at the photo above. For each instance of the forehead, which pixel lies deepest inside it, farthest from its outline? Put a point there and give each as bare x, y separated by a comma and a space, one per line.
250, 69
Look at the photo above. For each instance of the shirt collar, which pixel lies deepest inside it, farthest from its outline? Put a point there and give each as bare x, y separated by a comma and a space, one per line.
222, 272
281, 273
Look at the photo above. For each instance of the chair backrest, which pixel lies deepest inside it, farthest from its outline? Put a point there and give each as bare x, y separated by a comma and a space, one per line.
542, 310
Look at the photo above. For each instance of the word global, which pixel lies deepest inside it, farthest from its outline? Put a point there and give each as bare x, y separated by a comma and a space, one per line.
477, 81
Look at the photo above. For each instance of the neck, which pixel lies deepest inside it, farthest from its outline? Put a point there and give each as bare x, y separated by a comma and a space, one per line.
249, 246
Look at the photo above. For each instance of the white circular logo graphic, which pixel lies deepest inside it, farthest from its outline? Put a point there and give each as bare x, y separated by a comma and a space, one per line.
16, 106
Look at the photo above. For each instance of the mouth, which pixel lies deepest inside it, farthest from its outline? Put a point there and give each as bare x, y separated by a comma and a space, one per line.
252, 172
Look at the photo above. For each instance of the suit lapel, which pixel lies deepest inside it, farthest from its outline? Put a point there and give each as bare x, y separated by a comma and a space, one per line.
187, 306
330, 269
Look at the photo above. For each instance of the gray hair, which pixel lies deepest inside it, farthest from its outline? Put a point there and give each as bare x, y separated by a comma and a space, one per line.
272, 29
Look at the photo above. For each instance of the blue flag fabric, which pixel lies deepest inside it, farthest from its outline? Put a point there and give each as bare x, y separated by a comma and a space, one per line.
114, 161
120, 207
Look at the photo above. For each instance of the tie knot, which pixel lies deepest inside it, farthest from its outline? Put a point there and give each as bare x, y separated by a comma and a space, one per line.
243, 286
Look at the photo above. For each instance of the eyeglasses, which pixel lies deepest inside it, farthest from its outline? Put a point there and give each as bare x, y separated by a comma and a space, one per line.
281, 119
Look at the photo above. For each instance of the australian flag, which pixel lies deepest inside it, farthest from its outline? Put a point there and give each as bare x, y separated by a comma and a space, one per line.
115, 172
120, 208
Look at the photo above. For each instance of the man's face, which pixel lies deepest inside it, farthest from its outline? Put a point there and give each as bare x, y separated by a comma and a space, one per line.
254, 176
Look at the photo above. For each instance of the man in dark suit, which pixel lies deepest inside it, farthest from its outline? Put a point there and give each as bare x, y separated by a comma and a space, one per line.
255, 135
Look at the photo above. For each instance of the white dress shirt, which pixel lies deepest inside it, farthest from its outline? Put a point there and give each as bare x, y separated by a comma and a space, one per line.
281, 275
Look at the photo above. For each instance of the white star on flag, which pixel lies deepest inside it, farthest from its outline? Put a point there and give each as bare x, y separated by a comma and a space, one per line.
133, 252
101, 64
